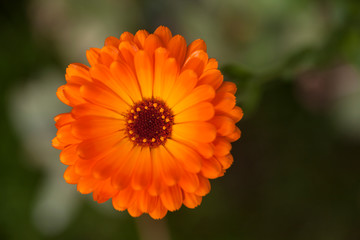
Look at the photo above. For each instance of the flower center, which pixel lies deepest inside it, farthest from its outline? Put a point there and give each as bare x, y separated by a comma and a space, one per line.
149, 123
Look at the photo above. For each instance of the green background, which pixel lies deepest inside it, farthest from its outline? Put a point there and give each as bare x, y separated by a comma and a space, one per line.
296, 168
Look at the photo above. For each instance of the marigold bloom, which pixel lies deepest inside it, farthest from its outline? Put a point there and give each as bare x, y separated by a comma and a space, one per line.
151, 123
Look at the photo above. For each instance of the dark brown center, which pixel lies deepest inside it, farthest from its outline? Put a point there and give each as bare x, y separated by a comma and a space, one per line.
149, 123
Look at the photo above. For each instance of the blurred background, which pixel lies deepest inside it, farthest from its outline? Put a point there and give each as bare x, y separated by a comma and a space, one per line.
296, 169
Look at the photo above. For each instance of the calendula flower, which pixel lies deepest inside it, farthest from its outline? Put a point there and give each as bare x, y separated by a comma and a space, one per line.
151, 123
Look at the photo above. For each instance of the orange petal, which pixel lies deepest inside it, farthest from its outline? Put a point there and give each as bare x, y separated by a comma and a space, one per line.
159, 211
57, 144
212, 64
222, 146
140, 38
223, 124
196, 131
212, 77
103, 97
63, 119
88, 109
234, 135
61, 96
164, 34
93, 56
108, 54
200, 112
211, 168
228, 87
127, 52
188, 157
224, 102
70, 176
204, 186
92, 127
184, 84
77, 73
126, 36
68, 156
104, 192
170, 169
84, 167
145, 202
112, 41
167, 78
161, 55
204, 149
157, 185
145, 73
191, 200
87, 185
177, 48
142, 174
103, 75
72, 93
127, 80
199, 94
152, 42
196, 62
123, 199
172, 198
189, 182
122, 178
64, 135
106, 166
198, 44
110, 163
98, 146
225, 161
134, 211
236, 114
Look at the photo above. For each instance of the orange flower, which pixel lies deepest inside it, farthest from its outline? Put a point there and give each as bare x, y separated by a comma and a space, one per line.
151, 122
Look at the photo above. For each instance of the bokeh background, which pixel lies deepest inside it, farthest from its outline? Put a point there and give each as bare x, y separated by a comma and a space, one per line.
296, 169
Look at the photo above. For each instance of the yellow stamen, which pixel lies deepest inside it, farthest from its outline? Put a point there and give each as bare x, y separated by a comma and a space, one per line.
144, 140
138, 109
153, 139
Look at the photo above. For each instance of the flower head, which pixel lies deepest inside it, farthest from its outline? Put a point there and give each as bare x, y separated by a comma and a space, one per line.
151, 123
